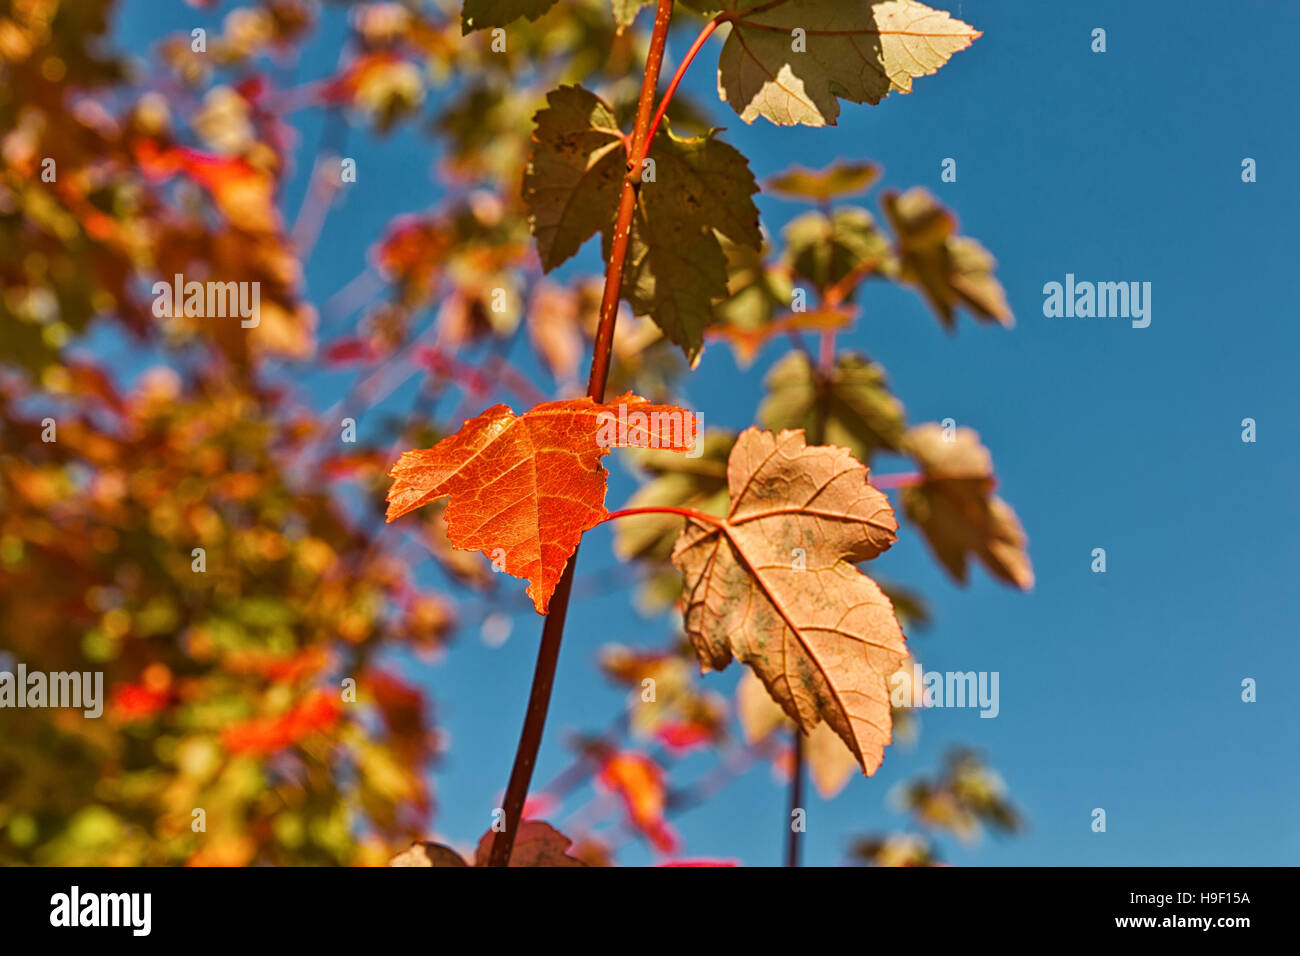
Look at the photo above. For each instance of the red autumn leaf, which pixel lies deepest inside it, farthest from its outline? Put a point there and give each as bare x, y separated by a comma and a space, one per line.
639, 781
366, 68
523, 488
353, 465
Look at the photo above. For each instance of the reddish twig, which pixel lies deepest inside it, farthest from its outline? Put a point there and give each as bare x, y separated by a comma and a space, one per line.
627, 206
675, 82
548, 654
665, 510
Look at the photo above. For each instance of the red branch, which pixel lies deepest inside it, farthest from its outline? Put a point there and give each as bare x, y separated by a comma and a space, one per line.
530, 740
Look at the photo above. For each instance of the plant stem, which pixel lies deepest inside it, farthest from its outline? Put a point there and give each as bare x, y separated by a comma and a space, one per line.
664, 510
676, 81
627, 206
539, 699
796, 800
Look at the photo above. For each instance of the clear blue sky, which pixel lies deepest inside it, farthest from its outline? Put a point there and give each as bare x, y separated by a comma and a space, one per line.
1120, 690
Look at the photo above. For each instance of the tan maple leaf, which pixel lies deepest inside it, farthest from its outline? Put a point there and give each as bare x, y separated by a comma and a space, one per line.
774, 585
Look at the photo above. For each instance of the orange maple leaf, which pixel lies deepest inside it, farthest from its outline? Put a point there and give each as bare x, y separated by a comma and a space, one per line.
639, 781
523, 488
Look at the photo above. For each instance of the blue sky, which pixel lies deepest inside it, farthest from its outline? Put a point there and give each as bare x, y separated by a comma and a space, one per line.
1118, 690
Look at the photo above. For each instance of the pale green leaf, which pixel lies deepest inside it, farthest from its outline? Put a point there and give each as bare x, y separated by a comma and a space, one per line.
821, 185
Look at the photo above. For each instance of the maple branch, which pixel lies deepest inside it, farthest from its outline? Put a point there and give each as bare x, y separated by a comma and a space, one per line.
665, 510
627, 206
539, 700
530, 739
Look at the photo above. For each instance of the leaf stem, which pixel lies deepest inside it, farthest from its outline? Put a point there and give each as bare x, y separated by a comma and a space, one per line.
530, 739
676, 81
666, 510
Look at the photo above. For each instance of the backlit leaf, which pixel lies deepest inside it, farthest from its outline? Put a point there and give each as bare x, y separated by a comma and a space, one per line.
536, 844
821, 185
524, 488
428, 854
625, 11
858, 51
826, 249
